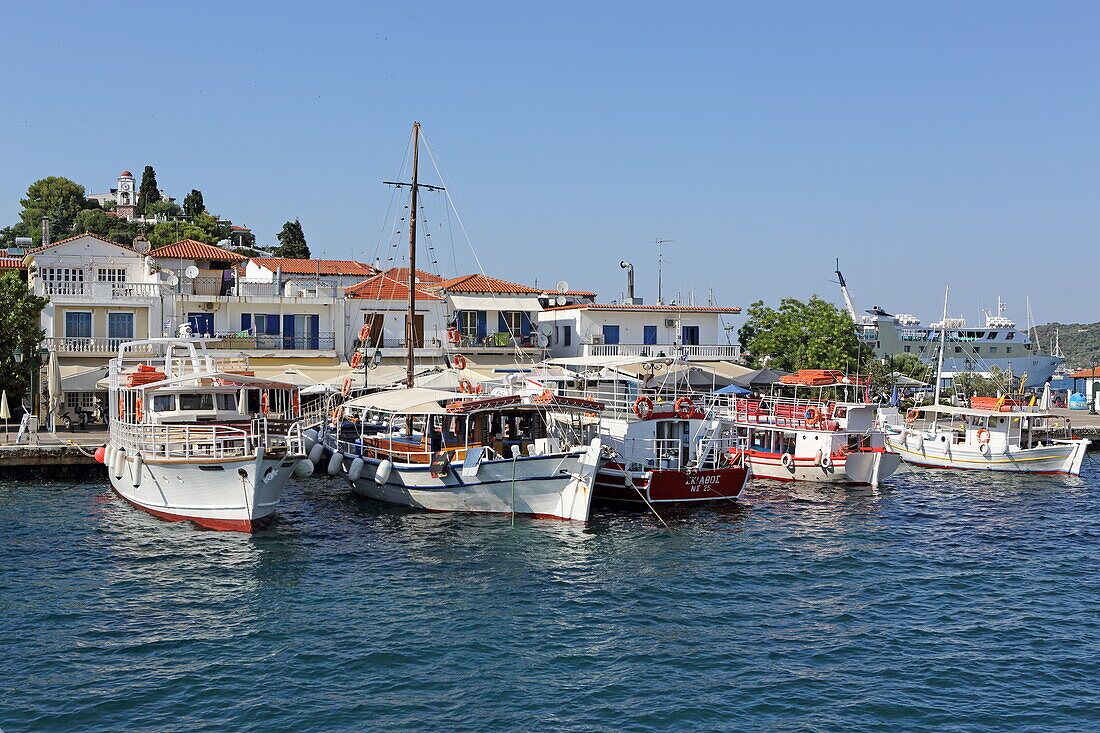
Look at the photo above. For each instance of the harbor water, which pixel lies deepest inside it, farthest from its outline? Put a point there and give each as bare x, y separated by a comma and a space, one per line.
960, 601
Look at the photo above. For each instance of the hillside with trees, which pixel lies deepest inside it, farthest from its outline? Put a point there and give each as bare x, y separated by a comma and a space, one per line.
1080, 342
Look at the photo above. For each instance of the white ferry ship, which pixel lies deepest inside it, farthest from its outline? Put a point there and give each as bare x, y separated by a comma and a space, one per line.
968, 349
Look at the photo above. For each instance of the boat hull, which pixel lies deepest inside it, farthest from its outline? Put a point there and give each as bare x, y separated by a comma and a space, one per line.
864, 468
1060, 457
214, 494
668, 486
555, 486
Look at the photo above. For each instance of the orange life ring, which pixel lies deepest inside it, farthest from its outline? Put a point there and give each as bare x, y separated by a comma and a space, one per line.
265, 403
454, 335
121, 407
477, 388
364, 332
545, 398
357, 360
139, 409
345, 387
459, 361
813, 416
296, 402
911, 416
337, 416
643, 407
684, 407
982, 436
465, 386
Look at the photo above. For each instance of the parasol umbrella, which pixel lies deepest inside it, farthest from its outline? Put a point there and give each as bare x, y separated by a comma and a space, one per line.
53, 386
1044, 401
242, 401
5, 413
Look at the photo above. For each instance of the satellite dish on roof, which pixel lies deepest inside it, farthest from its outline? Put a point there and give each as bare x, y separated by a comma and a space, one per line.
191, 272
173, 280
561, 300
563, 286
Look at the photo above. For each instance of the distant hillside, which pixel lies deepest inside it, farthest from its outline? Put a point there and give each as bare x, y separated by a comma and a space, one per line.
1080, 342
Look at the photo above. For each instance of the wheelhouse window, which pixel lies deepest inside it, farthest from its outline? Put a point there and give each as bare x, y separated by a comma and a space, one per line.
227, 402
164, 403
204, 401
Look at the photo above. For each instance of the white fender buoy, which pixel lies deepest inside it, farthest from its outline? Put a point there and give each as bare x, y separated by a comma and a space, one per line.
138, 463
817, 458
826, 461
120, 463
303, 468
316, 453
788, 461
382, 475
356, 469
109, 456
919, 442
335, 461
308, 441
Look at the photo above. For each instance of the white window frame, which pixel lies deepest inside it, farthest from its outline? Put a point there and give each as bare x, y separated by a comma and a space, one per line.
110, 275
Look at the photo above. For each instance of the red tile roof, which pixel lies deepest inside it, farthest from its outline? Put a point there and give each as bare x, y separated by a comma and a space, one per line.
12, 263
483, 284
189, 249
41, 247
645, 308
384, 287
242, 229
401, 274
1086, 373
315, 267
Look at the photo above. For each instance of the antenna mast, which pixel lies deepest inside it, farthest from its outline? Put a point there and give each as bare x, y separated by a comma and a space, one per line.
660, 268
943, 339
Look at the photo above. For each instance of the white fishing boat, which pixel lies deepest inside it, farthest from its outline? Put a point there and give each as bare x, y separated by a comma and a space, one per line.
814, 434
195, 439
1005, 436
455, 452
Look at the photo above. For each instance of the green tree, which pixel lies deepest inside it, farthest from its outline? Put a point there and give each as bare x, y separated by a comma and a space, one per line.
165, 207
8, 234
20, 313
292, 242
148, 192
203, 228
193, 204
99, 222
56, 198
814, 334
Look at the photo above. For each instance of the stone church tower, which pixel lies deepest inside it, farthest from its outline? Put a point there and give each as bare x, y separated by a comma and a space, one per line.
126, 196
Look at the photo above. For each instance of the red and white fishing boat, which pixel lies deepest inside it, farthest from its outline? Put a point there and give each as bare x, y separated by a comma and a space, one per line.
197, 440
814, 433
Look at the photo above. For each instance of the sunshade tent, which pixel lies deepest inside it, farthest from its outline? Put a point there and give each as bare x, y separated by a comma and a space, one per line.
53, 385
415, 401
759, 378
732, 389
690, 377
903, 381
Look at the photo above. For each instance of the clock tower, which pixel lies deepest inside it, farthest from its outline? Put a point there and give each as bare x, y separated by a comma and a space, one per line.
126, 196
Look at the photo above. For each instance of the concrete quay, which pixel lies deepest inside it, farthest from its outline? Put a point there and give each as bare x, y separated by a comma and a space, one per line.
46, 455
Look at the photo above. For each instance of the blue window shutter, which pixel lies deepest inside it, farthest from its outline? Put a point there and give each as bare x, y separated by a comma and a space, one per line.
502, 325
482, 326
649, 335
315, 337
458, 319
525, 323
246, 321
611, 334
288, 332
272, 324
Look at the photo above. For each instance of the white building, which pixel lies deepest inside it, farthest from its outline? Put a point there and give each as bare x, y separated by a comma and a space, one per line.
383, 303
639, 330
338, 274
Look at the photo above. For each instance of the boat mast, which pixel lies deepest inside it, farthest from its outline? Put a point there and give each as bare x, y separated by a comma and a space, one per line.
844, 291
943, 340
410, 328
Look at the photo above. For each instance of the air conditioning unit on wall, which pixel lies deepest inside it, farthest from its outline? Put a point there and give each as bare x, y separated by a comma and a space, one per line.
670, 323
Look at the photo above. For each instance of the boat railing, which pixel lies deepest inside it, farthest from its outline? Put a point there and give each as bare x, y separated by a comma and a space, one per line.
787, 412
207, 441
704, 453
619, 404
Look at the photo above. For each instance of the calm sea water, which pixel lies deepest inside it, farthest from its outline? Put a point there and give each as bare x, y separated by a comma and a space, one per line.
955, 601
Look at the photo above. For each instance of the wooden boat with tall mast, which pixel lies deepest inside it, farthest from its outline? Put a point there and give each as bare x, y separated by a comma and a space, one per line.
449, 451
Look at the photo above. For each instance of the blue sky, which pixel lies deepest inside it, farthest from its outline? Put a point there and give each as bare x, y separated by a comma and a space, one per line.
924, 144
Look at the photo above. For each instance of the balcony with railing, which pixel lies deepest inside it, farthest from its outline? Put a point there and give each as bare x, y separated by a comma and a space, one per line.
703, 351
498, 342
91, 345
92, 291
273, 342
241, 288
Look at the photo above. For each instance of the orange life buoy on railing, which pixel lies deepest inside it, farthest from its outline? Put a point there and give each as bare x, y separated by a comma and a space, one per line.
643, 407
459, 361
454, 335
265, 403
345, 387
545, 398
121, 407
982, 436
296, 403
337, 416
364, 332
813, 416
357, 360
465, 386
139, 409
684, 406
911, 416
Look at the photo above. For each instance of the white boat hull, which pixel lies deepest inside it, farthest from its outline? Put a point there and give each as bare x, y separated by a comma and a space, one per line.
1061, 456
225, 494
556, 486
866, 468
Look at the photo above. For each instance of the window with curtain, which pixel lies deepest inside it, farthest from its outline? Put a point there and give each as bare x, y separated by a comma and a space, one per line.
120, 326
78, 324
